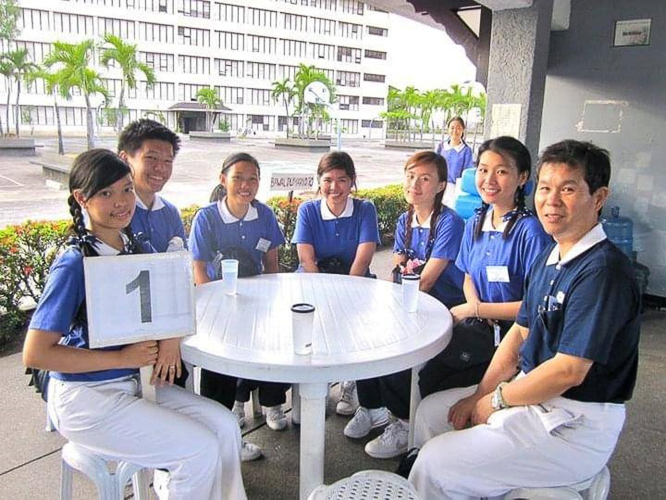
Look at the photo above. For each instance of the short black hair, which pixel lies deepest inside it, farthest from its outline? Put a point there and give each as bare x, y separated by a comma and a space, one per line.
133, 136
593, 160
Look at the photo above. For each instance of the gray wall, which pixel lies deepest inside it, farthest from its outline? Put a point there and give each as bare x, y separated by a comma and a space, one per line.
616, 98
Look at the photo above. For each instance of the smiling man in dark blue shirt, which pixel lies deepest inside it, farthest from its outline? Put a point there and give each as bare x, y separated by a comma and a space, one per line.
550, 407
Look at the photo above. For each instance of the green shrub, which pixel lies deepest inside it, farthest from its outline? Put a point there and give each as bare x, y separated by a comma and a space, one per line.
26, 254
285, 212
187, 214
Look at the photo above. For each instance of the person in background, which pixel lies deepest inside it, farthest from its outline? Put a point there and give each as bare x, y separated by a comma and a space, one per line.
458, 156
238, 226
337, 234
94, 396
427, 240
550, 408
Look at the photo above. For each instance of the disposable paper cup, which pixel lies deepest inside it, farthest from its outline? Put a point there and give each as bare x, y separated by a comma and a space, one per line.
410, 292
302, 322
229, 276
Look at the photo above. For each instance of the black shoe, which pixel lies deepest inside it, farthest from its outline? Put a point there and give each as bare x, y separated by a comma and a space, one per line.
407, 462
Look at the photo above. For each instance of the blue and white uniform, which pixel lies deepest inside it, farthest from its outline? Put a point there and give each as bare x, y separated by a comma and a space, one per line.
496, 265
333, 236
585, 305
448, 236
195, 439
158, 224
215, 229
458, 158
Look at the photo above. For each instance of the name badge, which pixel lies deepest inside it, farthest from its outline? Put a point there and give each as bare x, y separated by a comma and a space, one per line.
498, 274
263, 245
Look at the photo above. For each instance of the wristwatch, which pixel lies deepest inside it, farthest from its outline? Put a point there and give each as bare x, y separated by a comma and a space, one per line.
497, 400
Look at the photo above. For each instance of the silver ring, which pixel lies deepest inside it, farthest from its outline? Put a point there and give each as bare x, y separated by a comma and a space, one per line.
172, 368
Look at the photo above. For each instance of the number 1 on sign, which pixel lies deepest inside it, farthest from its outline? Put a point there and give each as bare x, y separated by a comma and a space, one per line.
142, 282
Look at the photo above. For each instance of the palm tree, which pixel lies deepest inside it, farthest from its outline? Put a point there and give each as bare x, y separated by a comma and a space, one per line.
20, 66
125, 54
304, 76
287, 91
73, 61
53, 87
6, 70
210, 99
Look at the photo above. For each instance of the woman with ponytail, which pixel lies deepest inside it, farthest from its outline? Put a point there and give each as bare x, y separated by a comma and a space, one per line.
427, 240
94, 394
500, 243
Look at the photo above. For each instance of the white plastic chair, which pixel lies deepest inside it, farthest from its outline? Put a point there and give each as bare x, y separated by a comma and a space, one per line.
367, 485
595, 488
110, 484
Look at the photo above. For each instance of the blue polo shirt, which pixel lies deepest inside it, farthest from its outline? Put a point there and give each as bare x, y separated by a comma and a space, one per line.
158, 224
496, 265
448, 236
214, 228
585, 305
59, 304
336, 236
458, 158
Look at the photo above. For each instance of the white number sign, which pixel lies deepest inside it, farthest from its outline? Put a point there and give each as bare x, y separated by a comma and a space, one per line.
131, 298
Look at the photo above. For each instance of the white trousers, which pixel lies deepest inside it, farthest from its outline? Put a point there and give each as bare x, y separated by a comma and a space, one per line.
556, 443
196, 439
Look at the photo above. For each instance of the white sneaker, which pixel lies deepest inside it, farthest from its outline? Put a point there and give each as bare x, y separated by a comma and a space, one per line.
250, 452
364, 421
391, 443
295, 408
239, 411
275, 418
161, 483
348, 402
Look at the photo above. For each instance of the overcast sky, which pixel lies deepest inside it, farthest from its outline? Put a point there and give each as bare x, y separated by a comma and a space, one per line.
424, 57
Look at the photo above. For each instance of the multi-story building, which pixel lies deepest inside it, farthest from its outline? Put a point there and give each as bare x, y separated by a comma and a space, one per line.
237, 47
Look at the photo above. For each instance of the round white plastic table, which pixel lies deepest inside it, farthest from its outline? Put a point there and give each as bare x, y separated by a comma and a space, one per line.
361, 330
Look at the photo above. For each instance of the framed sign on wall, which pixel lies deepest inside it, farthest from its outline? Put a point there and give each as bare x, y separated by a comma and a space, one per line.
131, 298
632, 32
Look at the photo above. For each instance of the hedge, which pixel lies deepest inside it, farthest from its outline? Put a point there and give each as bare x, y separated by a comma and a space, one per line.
28, 250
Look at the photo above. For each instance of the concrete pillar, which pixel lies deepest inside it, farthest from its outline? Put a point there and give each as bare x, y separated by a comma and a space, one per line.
519, 47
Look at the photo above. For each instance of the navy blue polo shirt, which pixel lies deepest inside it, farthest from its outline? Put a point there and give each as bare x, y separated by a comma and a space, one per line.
586, 306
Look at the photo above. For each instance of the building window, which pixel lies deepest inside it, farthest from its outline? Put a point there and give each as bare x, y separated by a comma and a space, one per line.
230, 41
348, 102
260, 97
348, 79
262, 44
373, 101
37, 51
372, 30
322, 51
369, 77
294, 22
294, 48
188, 91
375, 54
119, 27
194, 8
286, 71
72, 23
349, 126
194, 64
161, 91
261, 71
350, 30
261, 17
231, 13
372, 124
230, 95
349, 55
33, 19
351, 6
158, 61
322, 26
330, 74
193, 36
229, 67
152, 32
261, 122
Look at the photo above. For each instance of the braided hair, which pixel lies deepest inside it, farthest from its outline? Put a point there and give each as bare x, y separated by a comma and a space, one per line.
439, 163
93, 171
219, 191
516, 155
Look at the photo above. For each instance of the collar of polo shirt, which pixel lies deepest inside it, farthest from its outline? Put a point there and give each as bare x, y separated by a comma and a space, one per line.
326, 214
229, 218
594, 236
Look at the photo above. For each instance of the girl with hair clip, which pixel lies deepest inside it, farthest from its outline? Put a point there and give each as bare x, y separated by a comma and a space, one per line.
457, 153
236, 225
500, 243
427, 240
94, 394
337, 234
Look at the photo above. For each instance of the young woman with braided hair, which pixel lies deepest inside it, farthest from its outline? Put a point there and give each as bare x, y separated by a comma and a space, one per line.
427, 240
500, 243
94, 394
